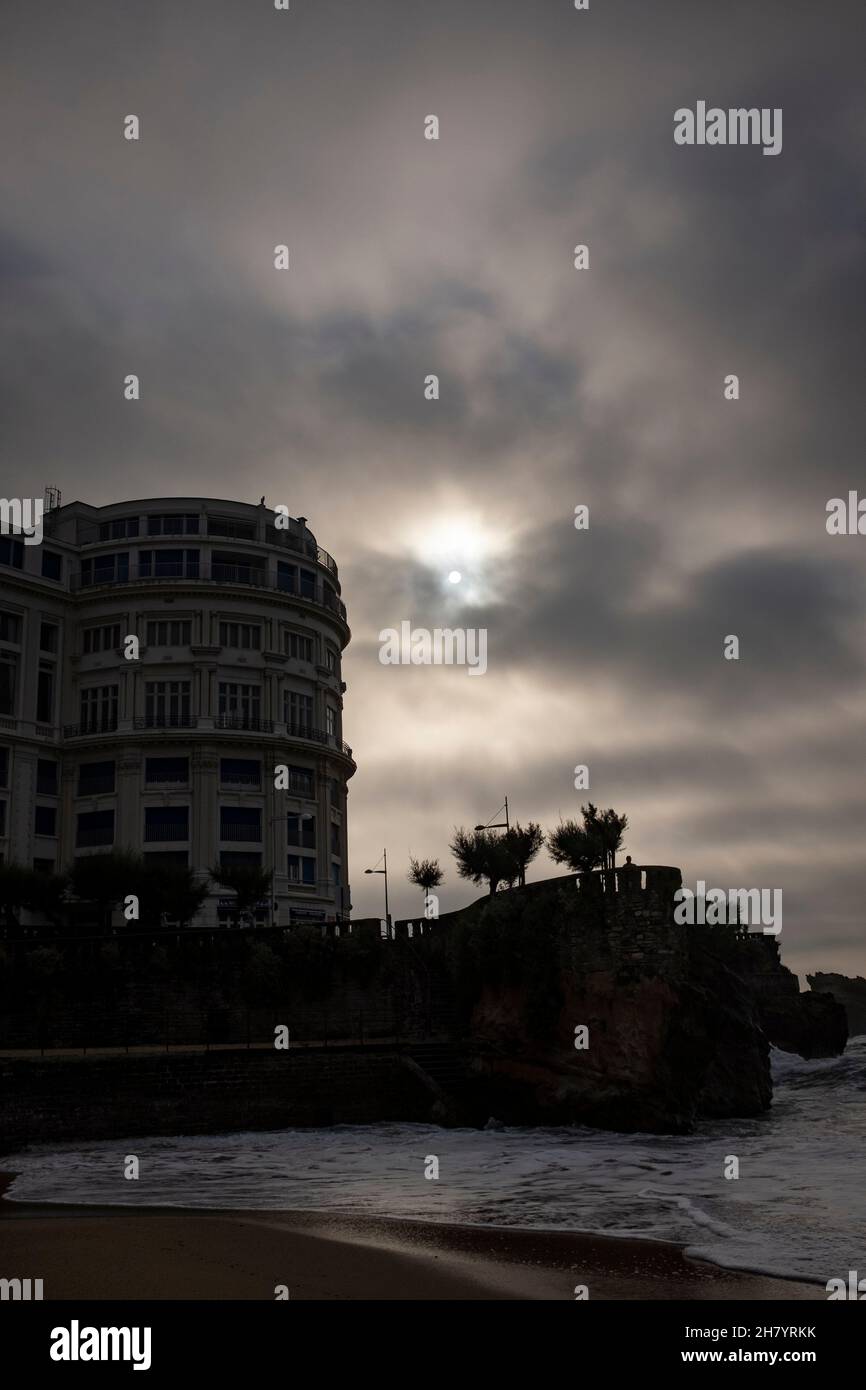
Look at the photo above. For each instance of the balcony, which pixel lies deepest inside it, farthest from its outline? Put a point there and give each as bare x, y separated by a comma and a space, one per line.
162, 831
249, 722
306, 731
250, 576
95, 786
91, 839
89, 728
241, 779
165, 721
249, 834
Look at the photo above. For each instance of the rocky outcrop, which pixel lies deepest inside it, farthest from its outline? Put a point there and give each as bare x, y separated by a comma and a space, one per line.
847, 991
678, 1020
671, 1034
811, 1024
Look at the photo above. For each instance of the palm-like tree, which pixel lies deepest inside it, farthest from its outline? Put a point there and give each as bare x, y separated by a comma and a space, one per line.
248, 882
482, 856
578, 846
425, 874
523, 843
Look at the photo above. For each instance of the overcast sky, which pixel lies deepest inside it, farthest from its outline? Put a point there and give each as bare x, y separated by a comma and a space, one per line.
558, 387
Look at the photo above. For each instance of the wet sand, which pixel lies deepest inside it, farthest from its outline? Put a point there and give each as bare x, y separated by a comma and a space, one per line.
175, 1253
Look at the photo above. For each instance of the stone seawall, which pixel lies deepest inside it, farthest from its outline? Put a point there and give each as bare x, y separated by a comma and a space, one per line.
48, 1100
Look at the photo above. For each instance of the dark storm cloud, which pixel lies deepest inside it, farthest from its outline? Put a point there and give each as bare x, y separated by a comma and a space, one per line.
557, 387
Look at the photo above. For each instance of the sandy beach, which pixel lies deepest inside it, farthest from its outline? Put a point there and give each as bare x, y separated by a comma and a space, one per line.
172, 1253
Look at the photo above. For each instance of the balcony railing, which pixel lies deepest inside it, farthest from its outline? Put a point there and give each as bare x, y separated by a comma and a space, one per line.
159, 830
244, 721
252, 834
254, 576
165, 721
241, 779
302, 730
89, 839
90, 726
240, 722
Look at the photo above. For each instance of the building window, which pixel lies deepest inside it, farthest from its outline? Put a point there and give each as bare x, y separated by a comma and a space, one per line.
298, 712
239, 705
45, 694
167, 704
99, 709
301, 831
44, 866
45, 820
335, 838
298, 646
48, 637
330, 721
335, 875
169, 634
166, 823
229, 567
168, 564
52, 565
169, 770
247, 636
302, 781
8, 681
46, 777
241, 823
118, 530
172, 525
333, 661
95, 779
225, 526
10, 628
4, 767
240, 856
105, 569
2, 820
301, 869
101, 639
94, 828
11, 553
241, 772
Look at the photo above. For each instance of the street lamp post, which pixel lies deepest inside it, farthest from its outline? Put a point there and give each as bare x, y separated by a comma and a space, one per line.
385, 872
497, 824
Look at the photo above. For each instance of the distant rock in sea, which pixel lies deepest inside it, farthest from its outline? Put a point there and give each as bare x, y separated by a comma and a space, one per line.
850, 993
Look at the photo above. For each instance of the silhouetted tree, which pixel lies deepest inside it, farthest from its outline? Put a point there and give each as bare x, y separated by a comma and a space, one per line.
425, 873
523, 843
611, 829
169, 891
248, 882
483, 856
15, 889
105, 880
575, 845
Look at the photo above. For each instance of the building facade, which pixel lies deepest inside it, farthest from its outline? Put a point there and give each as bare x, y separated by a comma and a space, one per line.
170, 683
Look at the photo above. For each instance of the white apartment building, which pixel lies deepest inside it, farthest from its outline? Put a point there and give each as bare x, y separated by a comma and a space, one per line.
240, 630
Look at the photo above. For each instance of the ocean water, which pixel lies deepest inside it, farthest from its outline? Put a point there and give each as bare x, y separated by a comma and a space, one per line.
798, 1207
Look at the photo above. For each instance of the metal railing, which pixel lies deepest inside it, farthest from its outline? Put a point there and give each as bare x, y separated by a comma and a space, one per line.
253, 576
97, 786
251, 834
244, 721
164, 831
91, 726
165, 721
